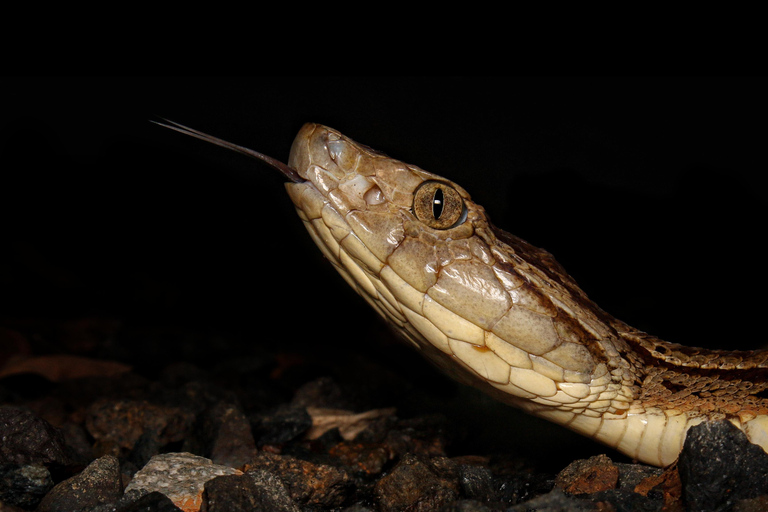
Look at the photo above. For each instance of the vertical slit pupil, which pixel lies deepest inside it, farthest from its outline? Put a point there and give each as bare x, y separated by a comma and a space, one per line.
437, 203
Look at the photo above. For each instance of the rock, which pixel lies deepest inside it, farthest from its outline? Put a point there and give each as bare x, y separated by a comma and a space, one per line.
280, 425
142, 501
588, 476
223, 433
624, 500
466, 506
357, 507
257, 489
664, 486
179, 476
515, 483
117, 425
323, 392
625, 497
631, 475
97, 484
555, 501
418, 483
79, 446
28, 439
424, 435
24, 486
4, 507
146, 446
759, 504
364, 458
475, 478
718, 466
308, 483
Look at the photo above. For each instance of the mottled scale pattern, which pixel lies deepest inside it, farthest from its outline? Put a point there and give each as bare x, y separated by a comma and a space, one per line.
495, 312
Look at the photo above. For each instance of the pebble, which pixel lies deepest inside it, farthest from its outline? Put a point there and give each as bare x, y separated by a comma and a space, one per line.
366, 458
179, 476
423, 435
588, 476
117, 425
28, 439
308, 484
24, 486
142, 501
223, 434
718, 466
476, 479
555, 501
98, 484
257, 489
281, 424
418, 483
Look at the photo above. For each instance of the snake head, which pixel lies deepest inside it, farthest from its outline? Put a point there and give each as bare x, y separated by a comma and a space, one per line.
368, 212
354, 177
425, 256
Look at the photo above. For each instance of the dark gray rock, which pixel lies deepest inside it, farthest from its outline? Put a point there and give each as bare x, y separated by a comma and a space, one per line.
427, 435
623, 500
5, 507
223, 434
718, 466
28, 439
418, 483
632, 474
476, 481
24, 486
357, 507
97, 484
467, 506
515, 483
322, 392
280, 425
140, 501
554, 501
79, 446
255, 490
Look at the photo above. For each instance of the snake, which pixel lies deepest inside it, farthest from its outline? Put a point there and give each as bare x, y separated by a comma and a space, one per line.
497, 313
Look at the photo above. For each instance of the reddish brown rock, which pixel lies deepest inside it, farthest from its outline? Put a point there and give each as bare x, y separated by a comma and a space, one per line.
587, 476
418, 484
367, 458
308, 483
118, 424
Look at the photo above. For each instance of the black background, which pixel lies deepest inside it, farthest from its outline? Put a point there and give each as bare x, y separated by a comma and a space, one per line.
650, 192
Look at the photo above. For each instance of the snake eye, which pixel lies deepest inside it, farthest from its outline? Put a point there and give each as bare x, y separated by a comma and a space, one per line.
438, 205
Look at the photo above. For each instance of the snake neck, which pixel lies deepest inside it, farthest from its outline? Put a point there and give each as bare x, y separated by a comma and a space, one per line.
718, 384
653, 373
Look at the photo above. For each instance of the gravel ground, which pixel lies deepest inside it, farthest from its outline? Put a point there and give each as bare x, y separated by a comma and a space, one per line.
297, 431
